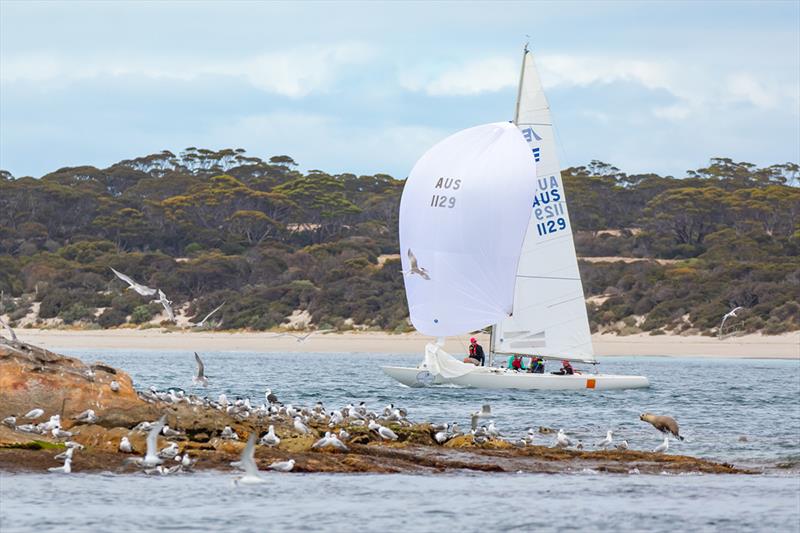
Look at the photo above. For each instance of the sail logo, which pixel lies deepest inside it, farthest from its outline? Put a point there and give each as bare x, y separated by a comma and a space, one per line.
536, 154
530, 135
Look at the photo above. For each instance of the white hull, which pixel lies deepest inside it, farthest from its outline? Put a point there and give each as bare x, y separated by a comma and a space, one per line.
498, 378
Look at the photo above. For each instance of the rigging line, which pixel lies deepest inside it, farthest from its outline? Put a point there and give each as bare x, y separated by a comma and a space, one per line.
548, 277
566, 301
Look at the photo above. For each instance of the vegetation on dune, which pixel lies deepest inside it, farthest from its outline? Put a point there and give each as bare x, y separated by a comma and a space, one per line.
211, 226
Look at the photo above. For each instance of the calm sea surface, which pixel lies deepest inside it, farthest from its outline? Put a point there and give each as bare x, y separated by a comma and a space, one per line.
746, 412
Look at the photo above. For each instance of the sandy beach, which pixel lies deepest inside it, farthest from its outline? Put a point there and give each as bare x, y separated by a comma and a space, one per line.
786, 346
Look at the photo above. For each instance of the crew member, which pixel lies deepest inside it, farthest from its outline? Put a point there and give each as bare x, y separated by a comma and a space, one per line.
476, 352
565, 370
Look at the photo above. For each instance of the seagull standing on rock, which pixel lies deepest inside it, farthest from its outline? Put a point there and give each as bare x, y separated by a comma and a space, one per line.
663, 447
282, 466
125, 445
382, 431
605, 443
562, 441
270, 397
33, 414
300, 426
87, 416
270, 438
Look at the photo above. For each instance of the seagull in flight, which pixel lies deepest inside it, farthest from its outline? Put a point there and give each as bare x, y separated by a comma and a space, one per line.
415, 268
162, 299
729, 314
200, 377
138, 287
247, 462
202, 322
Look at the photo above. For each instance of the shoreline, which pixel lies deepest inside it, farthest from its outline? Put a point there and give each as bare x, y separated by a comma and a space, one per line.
754, 346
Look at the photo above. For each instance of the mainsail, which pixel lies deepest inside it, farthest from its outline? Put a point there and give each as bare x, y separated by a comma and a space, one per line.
549, 312
463, 216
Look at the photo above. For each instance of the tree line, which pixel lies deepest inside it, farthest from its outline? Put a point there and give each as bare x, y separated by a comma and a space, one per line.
211, 226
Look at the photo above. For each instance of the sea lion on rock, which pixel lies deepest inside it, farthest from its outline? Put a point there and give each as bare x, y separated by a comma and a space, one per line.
662, 423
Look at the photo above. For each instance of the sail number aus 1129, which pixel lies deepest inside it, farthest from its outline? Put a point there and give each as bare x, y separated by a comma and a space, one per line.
440, 200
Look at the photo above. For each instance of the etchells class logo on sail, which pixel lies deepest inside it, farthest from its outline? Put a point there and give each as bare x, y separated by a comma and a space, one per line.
531, 136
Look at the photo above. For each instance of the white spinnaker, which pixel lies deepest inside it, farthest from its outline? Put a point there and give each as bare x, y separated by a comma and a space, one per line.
463, 215
549, 316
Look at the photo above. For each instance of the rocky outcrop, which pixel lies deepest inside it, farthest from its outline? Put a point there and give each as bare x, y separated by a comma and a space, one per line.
33, 377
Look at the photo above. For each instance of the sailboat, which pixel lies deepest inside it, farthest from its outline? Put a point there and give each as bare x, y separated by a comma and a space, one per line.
486, 241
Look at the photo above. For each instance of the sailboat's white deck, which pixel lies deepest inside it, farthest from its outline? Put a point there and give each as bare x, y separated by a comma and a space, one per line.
497, 378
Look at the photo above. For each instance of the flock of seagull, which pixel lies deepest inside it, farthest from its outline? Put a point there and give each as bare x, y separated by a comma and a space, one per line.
171, 459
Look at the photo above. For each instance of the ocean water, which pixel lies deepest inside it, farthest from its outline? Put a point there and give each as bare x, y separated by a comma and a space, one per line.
745, 412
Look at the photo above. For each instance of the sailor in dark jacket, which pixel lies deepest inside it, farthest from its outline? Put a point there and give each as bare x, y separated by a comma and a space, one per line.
476, 351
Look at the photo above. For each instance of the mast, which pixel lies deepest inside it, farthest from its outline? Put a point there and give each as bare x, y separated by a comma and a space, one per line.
519, 86
492, 335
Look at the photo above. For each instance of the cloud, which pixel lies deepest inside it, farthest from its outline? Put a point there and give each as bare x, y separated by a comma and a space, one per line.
294, 72
466, 78
329, 143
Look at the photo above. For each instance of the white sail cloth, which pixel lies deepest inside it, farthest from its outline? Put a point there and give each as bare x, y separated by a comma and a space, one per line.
440, 363
463, 216
549, 315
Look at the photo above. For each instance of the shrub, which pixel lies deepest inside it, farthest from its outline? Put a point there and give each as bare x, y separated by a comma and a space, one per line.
141, 314
111, 317
76, 312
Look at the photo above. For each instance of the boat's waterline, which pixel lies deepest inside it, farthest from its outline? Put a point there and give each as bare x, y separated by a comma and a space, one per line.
494, 378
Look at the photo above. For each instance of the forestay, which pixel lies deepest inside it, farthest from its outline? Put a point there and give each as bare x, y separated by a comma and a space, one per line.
549, 311
463, 216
